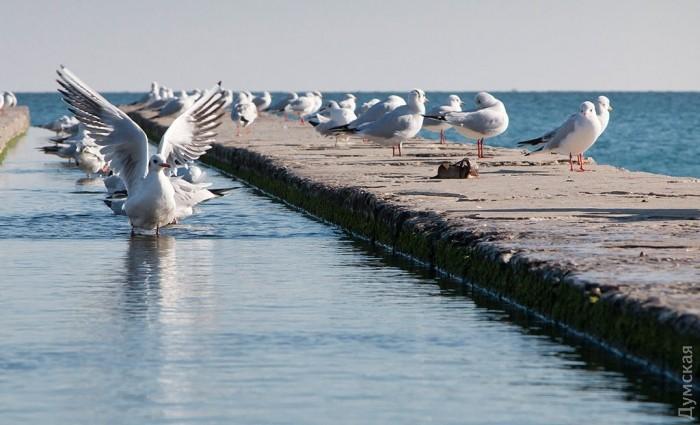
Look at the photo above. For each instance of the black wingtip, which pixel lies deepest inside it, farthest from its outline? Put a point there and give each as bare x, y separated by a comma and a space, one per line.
533, 142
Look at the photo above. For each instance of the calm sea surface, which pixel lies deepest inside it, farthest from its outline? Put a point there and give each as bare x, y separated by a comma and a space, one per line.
253, 313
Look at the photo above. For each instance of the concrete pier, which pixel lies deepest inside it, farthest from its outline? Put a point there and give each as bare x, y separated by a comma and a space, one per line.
14, 122
610, 253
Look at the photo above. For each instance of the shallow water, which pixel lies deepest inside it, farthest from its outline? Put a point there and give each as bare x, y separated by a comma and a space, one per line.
648, 131
251, 312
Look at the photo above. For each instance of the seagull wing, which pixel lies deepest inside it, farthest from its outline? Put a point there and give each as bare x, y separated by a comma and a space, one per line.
481, 121
123, 142
192, 133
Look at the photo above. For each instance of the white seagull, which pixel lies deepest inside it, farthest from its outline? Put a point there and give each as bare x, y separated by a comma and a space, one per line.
488, 120
151, 202
397, 126
338, 116
575, 136
349, 102
602, 110
244, 112
454, 104
263, 102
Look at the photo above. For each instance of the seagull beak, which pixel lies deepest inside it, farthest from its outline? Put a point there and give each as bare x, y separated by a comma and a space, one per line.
610, 108
165, 165
427, 100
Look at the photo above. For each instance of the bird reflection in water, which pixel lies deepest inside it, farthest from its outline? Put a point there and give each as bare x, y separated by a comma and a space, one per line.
151, 265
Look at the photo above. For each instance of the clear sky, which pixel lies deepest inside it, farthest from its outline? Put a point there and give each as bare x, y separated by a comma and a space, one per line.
354, 44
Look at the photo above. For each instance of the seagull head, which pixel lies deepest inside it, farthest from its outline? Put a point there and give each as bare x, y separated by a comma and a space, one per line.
317, 94
484, 100
604, 103
587, 109
455, 100
157, 163
418, 96
350, 96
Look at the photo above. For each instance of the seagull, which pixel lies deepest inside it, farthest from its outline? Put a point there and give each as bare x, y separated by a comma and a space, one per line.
349, 102
187, 196
454, 105
263, 102
2, 101
338, 116
374, 113
304, 105
10, 100
488, 120
244, 112
602, 110
575, 136
151, 202
397, 126
90, 160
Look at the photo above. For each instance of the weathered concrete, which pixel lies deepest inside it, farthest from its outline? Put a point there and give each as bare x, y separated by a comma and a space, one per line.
14, 122
612, 253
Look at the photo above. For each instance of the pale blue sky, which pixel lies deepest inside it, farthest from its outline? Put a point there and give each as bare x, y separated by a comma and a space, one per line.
354, 45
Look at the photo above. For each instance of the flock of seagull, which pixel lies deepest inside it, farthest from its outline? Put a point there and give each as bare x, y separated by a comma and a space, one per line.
392, 121
151, 190
157, 190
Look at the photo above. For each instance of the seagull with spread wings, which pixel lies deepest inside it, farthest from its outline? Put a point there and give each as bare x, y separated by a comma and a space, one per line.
151, 202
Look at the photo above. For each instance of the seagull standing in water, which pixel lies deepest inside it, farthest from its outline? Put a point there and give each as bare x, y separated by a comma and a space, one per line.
151, 201
454, 104
489, 119
575, 136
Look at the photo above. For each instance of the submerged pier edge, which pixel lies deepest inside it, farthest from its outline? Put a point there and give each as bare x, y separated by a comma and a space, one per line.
652, 334
14, 123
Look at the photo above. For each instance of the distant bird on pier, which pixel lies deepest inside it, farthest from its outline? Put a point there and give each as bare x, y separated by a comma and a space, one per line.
244, 112
454, 104
397, 126
349, 102
262, 103
151, 201
9, 100
602, 110
374, 113
488, 120
310, 103
575, 136
338, 116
